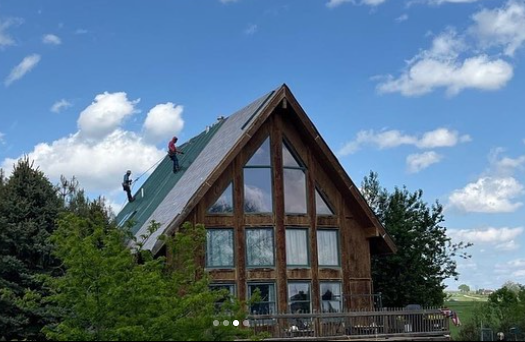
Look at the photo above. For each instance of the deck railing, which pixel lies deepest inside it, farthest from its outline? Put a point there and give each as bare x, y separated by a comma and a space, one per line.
379, 323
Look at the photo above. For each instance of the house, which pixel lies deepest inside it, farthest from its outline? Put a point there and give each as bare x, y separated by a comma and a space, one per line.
281, 213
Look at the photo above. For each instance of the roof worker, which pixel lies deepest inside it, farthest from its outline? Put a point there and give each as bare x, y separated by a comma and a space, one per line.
172, 152
126, 185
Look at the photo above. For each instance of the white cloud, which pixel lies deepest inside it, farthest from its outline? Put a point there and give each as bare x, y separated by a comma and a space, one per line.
418, 162
486, 235
488, 195
98, 164
401, 18
439, 2
2, 139
508, 246
5, 38
515, 268
51, 39
251, 30
336, 3
105, 114
427, 74
60, 105
503, 26
81, 31
163, 122
21, 69
504, 166
440, 137
446, 65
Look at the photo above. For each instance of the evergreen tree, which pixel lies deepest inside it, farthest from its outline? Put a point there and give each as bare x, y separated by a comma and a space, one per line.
425, 256
28, 210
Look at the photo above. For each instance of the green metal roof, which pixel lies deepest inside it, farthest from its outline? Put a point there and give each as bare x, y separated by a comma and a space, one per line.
162, 180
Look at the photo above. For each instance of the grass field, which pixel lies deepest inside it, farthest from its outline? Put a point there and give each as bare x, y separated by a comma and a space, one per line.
463, 305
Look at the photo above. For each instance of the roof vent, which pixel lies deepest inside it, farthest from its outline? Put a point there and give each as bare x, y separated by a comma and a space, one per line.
220, 118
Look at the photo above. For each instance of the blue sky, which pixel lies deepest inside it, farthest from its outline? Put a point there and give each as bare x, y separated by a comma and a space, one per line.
428, 93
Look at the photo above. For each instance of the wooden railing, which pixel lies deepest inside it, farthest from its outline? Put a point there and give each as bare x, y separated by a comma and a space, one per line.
378, 323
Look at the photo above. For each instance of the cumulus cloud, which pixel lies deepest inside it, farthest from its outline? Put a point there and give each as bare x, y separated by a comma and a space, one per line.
27, 64
454, 64
504, 27
163, 122
515, 269
488, 195
105, 114
440, 137
2, 138
51, 39
99, 163
417, 162
504, 165
58, 106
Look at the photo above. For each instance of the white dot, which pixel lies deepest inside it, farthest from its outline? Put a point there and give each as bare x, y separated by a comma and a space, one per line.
236, 323
226, 323
246, 323
216, 323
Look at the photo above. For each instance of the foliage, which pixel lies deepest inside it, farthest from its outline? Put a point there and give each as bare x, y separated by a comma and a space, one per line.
425, 256
504, 311
28, 209
109, 293
464, 288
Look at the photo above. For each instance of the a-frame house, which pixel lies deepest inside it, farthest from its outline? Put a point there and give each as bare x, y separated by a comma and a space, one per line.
281, 213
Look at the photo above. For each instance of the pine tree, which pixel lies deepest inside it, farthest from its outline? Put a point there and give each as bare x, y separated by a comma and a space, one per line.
425, 256
28, 209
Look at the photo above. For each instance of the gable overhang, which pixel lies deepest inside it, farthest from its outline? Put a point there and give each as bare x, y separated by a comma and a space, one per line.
381, 242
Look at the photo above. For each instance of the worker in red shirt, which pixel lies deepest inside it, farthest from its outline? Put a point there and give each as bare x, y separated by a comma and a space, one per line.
172, 152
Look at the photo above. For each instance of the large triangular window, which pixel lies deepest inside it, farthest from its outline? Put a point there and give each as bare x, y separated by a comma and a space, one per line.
321, 206
258, 181
294, 174
224, 204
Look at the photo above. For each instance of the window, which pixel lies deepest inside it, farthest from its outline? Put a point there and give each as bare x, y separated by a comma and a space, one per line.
321, 206
297, 247
331, 298
259, 247
299, 297
258, 181
294, 183
219, 248
266, 304
328, 247
229, 294
224, 204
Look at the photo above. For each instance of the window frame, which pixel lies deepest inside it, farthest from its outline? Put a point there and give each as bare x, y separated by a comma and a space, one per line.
321, 301
213, 229
338, 245
289, 302
246, 230
307, 236
271, 305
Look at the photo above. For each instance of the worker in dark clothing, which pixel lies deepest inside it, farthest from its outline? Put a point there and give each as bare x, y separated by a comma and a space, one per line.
172, 152
126, 185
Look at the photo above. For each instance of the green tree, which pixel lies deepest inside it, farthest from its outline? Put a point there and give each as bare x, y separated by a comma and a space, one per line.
110, 293
425, 256
28, 209
464, 288
504, 310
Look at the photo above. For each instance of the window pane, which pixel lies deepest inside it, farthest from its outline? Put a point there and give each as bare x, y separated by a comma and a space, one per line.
261, 157
294, 191
321, 207
219, 248
331, 299
267, 303
224, 204
328, 247
288, 158
299, 297
297, 247
258, 190
259, 247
